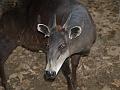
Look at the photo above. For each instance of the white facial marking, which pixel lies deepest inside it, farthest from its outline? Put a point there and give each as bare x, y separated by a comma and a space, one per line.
56, 64
39, 28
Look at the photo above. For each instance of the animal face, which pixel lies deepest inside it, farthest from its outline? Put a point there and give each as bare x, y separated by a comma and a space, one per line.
59, 46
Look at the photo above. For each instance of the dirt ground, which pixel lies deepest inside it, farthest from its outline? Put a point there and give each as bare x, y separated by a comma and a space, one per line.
99, 71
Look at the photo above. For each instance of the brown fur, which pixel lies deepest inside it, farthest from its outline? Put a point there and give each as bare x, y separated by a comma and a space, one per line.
19, 23
18, 27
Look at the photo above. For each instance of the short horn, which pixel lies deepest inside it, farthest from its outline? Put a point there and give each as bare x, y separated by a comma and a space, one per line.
39, 19
54, 23
67, 21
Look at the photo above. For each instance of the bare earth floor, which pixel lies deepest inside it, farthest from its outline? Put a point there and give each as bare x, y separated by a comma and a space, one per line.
99, 71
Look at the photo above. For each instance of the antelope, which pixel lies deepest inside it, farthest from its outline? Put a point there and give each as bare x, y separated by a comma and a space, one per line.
71, 36
62, 29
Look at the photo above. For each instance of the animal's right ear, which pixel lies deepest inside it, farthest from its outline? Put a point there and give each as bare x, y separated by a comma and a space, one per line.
43, 29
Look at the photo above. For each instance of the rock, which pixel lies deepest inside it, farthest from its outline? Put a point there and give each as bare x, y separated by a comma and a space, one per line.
114, 51
106, 57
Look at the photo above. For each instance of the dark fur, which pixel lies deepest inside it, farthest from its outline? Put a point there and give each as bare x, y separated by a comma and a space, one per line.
18, 22
18, 27
23, 21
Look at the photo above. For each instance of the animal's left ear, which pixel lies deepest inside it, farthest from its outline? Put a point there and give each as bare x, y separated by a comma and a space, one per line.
43, 29
75, 32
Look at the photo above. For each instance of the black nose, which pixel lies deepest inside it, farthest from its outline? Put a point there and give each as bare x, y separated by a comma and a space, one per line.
50, 75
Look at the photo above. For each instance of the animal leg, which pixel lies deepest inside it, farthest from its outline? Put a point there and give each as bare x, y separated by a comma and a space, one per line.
74, 64
2, 76
6, 48
67, 72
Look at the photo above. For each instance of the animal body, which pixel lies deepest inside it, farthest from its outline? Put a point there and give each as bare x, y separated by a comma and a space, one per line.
71, 36
62, 29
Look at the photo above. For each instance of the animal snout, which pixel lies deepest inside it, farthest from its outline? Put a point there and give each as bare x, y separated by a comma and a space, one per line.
49, 75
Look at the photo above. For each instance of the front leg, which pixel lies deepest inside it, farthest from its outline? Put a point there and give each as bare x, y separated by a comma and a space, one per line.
74, 64
69, 71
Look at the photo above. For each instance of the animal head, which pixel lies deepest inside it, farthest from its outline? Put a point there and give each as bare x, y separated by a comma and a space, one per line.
59, 44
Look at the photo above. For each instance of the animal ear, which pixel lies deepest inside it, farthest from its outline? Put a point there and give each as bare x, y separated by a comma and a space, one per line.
43, 29
75, 32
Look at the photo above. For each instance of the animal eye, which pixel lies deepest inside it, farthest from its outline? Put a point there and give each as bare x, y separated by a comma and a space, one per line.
61, 47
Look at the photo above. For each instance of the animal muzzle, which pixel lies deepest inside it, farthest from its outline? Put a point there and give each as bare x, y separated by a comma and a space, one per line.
50, 75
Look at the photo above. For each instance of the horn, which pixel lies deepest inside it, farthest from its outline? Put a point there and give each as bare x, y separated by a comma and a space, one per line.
67, 21
39, 19
54, 22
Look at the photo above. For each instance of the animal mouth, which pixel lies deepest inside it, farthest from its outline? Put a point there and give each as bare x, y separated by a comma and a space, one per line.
50, 75
54, 66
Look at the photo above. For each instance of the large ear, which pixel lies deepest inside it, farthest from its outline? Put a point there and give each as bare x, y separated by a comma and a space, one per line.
43, 29
75, 32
